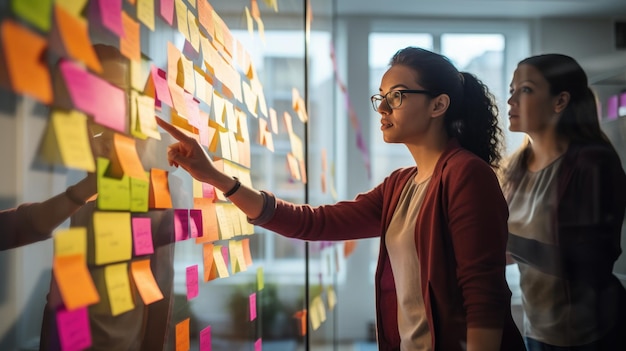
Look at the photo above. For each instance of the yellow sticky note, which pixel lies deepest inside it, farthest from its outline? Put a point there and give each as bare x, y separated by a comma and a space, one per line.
67, 141
223, 221
145, 13
118, 288
139, 73
219, 262
186, 78
146, 123
332, 298
75, 7
71, 241
181, 18
194, 31
260, 280
36, 12
113, 193
74, 281
145, 282
112, 237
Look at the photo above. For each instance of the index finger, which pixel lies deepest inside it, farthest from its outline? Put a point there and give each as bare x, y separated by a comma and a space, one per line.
173, 131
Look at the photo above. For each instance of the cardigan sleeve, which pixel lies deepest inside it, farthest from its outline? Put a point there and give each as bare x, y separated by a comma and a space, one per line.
477, 220
18, 227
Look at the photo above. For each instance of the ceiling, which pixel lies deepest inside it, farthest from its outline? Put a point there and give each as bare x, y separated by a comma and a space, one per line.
483, 8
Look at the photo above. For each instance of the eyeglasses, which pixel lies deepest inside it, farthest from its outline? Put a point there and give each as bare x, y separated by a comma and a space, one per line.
394, 97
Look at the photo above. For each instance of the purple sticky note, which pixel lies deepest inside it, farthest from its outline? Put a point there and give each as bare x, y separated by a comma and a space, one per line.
205, 339
192, 282
195, 223
166, 11
95, 96
258, 345
181, 224
611, 107
142, 236
252, 306
74, 332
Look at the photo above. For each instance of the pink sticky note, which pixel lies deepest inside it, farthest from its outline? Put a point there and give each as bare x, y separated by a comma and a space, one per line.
193, 109
225, 254
192, 282
74, 332
252, 306
161, 90
167, 11
195, 223
611, 107
258, 345
181, 224
208, 191
142, 236
110, 14
95, 96
205, 339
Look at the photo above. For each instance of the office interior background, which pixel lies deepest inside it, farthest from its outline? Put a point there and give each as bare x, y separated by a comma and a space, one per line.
333, 54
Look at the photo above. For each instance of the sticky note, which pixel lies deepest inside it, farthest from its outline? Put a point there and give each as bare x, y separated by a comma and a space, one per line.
112, 237
252, 307
166, 10
145, 282
145, 12
73, 328
260, 280
205, 336
109, 13
124, 158
181, 224
74, 34
158, 83
182, 335
195, 223
208, 262
192, 282
130, 43
160, 197
74, 281
220, 261
118, 288
66, 141
70, 241
139, 194
36, 12
113, 193
142, 235
258, 344
27, 72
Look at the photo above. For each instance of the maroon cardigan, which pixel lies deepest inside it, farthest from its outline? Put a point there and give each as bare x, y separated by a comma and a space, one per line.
460, 238
17, 227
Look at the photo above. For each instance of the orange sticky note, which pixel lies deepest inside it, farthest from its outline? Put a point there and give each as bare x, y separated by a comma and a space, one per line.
75, 37
145, 282
124, 158
301, 317
160, 196
246, 251
129, 43
210, 231
74, 281
24, 54
210, 268
182, 335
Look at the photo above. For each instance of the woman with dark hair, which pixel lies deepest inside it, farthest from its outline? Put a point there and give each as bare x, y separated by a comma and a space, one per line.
566, 192
440, 281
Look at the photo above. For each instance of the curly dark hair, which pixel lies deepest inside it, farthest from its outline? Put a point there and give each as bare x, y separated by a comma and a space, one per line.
472, 117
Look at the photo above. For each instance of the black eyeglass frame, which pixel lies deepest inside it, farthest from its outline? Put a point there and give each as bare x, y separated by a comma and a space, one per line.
379, 98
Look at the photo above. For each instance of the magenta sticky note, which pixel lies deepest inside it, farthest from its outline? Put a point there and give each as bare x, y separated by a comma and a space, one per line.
73, 328
161, 90
95, 96
205, 339
195, 223
252, 306
166, 10
208, 191
110, 15
142, 235
611, 107
192, 282
181, 224
258, 345
225, 254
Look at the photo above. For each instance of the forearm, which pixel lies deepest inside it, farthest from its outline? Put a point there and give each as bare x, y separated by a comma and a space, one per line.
248, 200
49, 214
483, 339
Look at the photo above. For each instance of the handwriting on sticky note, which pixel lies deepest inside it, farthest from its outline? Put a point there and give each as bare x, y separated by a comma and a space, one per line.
192, 282
74, 281
112, 237
73, 329
118, 288
142, 235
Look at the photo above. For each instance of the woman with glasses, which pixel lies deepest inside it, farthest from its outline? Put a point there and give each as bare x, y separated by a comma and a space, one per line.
566, 191
440, 281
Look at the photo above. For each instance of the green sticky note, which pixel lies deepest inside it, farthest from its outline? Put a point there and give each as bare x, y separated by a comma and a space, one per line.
139, 194
36, 12
113, 193
259, 279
